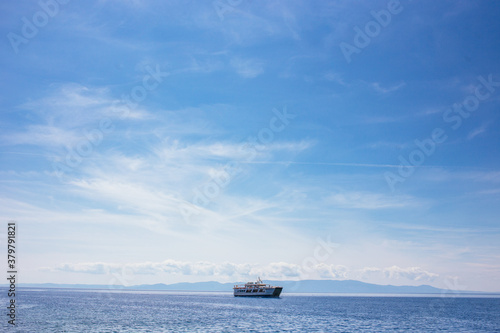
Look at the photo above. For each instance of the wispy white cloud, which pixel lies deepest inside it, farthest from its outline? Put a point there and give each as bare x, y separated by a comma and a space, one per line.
383, 119
174, 150
247, 68
290, 20
367, 200
493, 191
388, 144
66, 112
135, 4
432, 110
377, 86
336, 77
73, 105
202, 65
441, 174
434, 229
154, 185
129, 196
477, 131
43, 135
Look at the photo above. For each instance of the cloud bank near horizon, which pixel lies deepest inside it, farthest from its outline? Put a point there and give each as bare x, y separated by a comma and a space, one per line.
225, 270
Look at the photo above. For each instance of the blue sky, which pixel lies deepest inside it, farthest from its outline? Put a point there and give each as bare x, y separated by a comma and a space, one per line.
146, 142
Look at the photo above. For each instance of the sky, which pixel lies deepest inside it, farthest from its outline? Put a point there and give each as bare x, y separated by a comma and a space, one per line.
159, 142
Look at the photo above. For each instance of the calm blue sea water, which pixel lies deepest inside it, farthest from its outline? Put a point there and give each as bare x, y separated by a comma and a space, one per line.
103, 311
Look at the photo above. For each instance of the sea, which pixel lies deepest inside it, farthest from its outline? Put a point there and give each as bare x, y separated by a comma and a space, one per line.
78, 310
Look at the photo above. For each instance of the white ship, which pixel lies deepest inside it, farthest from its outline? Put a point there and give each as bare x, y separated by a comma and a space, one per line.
257, 289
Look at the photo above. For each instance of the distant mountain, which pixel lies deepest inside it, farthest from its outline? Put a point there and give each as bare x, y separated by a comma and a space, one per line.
303, 286
351, 286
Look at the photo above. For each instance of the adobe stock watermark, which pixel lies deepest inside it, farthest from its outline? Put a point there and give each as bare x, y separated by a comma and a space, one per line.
324, 249
322, 252
206, 193
120, 278
30, 28
123, 107
438, 305
453, 115
224, 6
363, 37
